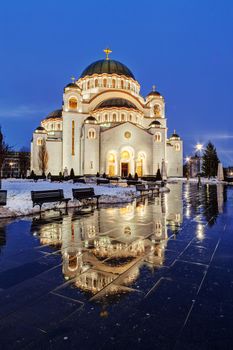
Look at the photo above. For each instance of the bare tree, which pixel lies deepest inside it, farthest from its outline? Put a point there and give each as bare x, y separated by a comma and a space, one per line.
4, 149
43, 157
24, 161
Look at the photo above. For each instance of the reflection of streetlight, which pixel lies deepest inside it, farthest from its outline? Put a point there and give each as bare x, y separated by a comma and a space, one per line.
11, 164
199, 148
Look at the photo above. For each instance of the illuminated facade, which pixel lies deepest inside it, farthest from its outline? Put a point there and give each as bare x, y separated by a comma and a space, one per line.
105, 125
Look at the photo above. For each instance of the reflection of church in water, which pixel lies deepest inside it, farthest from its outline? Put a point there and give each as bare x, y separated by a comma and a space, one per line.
109, 246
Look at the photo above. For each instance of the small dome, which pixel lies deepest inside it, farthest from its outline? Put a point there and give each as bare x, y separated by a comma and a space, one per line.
116, 102
175, 135
154, 93
40, 129
90, 120
155, 124
55, 114
107, 67
72, 85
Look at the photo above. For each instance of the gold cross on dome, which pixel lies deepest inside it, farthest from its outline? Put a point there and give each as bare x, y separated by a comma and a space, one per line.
72, 79
107, 51
153, 88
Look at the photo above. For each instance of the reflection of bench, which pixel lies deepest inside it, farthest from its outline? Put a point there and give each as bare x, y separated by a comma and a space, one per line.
3, 197
48, 196
142, 189
152, 188
85, 193
102, 181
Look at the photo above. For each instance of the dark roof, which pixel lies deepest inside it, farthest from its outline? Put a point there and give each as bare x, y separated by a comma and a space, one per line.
155, 123
175, 135
90, 119
116, 102
40, 128
154, 93
108, 67
72, 85
55, 114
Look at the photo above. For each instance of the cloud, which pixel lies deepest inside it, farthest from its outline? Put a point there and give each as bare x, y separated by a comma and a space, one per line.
23, 111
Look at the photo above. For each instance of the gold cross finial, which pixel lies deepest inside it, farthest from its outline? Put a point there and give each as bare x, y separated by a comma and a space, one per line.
107, 51
153, 88
72, 79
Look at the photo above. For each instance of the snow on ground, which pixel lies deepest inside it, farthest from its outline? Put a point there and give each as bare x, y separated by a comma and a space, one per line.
19, 201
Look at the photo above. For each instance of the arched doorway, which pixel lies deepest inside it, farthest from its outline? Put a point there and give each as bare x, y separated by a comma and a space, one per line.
125, 163
111, 161
140, 164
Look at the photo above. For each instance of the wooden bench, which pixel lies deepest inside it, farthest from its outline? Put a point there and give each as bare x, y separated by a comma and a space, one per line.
79, 180
102, 181
3, 197
48, 196
85, 193
133, 182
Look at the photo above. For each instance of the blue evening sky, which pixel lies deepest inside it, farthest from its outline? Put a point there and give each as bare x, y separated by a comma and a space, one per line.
184, 47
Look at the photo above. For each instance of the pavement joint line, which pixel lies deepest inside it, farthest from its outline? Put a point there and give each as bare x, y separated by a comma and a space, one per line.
68, 298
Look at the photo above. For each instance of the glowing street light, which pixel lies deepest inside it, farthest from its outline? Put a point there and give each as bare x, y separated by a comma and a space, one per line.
187, 159
199, 148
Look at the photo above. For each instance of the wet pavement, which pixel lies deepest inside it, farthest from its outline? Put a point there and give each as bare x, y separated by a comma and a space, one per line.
154, 274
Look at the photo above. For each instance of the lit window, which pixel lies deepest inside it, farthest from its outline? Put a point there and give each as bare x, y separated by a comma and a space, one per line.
91, 134
105, 82
158, 137
131, 117
106, 117
114, 83
122, 84
39, 141
114, 118
73, 103
59, 126
96, 83
177, 147
122, 117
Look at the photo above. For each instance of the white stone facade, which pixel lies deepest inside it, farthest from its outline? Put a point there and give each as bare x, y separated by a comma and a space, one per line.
106, 126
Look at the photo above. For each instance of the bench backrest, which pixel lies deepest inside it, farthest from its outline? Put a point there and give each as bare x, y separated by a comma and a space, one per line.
47, 194
140, 187
104, 181
83, 192
3, 196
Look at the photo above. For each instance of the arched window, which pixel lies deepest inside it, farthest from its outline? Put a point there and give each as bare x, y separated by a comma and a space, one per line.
158, 137
106, 118
113, 83
88, 84
91, 134
105, 82
39, 141
130, 118
122, 84
114, 117
122, 117
177, 146
58, 126
96, 83
73, 103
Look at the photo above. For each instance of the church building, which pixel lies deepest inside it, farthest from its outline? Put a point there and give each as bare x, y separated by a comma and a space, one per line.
106, 126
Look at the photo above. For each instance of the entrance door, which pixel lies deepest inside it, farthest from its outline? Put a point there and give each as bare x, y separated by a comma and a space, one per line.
124, 169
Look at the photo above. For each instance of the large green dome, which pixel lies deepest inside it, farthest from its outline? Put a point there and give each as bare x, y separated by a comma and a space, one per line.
107, 67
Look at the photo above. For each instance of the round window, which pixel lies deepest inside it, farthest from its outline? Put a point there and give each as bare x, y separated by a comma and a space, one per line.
127, 135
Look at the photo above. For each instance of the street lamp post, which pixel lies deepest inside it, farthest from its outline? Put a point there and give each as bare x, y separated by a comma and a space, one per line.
11, 171
1, 156
199, 148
